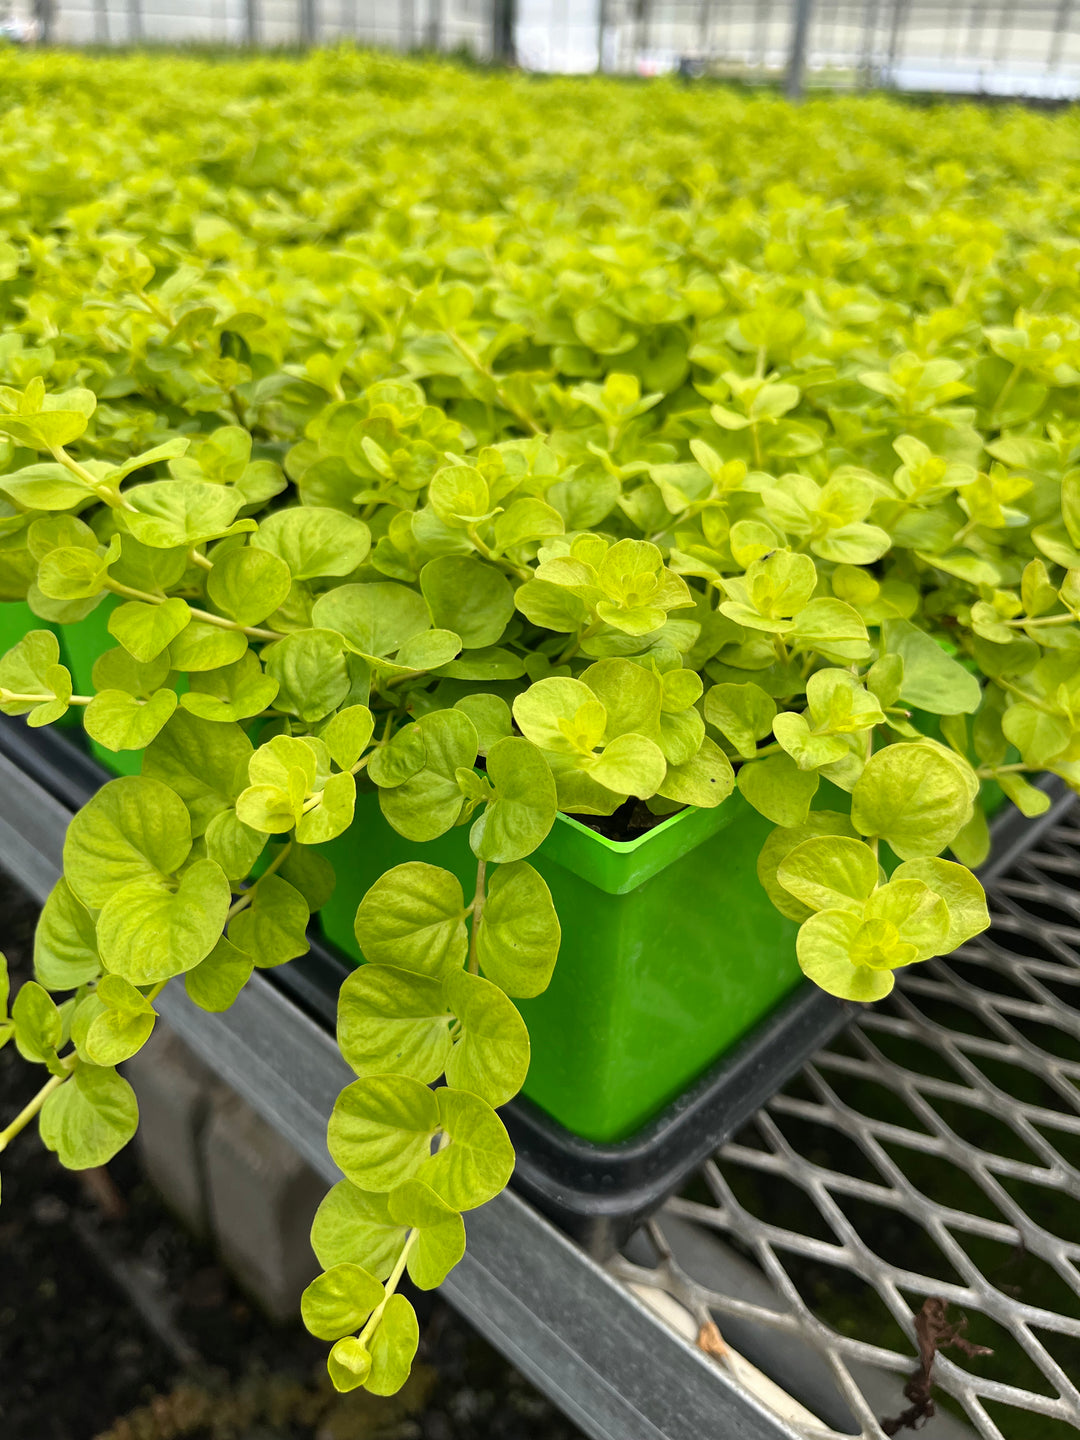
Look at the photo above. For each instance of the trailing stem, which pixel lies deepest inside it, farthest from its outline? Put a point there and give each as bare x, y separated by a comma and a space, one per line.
27, 1113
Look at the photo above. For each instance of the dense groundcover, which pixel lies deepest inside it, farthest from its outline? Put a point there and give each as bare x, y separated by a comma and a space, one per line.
710, 434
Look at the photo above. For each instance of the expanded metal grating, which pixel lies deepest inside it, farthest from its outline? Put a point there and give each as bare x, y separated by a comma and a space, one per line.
931, 1153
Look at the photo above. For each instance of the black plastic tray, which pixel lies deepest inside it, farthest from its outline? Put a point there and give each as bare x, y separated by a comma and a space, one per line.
599, 1194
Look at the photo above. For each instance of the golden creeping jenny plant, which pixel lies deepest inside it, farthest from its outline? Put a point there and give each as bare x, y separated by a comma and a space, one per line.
508, 449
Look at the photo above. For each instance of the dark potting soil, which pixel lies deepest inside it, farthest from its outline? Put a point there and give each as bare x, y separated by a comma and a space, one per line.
631, 820
115, 1324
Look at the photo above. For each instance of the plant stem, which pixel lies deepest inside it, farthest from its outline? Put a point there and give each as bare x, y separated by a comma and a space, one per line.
249, 894
101, 488
8, 697
1006, 389
469, 354
27, 1113
1032, 700
489, 555
393, 1280
252, 631
160, 315
577, 642
1040, 620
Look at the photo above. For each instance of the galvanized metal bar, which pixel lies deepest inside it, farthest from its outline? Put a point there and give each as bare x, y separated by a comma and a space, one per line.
795, 82
435, 25
868, 48
306, 21
1059, 34
704, 25
1006, 17
503, 22
406, 24
900, 11
763, 17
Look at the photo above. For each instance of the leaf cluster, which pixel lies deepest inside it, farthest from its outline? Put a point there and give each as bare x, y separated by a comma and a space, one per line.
509, 469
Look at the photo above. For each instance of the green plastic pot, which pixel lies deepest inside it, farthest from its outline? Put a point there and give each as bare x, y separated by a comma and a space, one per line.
671, 952
84, 641
671, 949
16, 618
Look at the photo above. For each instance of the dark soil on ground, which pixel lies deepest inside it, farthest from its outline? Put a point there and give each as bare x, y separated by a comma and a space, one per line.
115, 1324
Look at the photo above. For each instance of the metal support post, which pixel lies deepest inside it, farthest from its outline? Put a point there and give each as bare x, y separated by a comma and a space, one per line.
1061, 30
869, 43
800, 38
44, 14
763, 28
601, 34
896, 33
704, 26
435, 25
135, 25
252, 26
1004, 31
306, 22
503, 20
642, 27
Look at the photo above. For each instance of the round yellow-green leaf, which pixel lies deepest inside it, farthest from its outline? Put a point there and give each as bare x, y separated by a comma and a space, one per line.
778, 789
479, 1160
148, 932
338, 1301
440, 1243
824, 945
392, 1022
519, 936
215, 982
381, 1130
314, 540
248, 584
830, 872
120, 721
519, 816
65, 942
89, 1118
349, 1364
961, 891
413, 917
490, 1057
914, 796
134, 828
356, 1225
393, 1347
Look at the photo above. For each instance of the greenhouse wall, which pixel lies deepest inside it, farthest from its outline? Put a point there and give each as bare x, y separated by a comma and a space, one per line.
1031, 47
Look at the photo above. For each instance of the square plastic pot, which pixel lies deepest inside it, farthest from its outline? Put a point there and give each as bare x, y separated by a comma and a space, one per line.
83, 642
671, 952
16, 618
